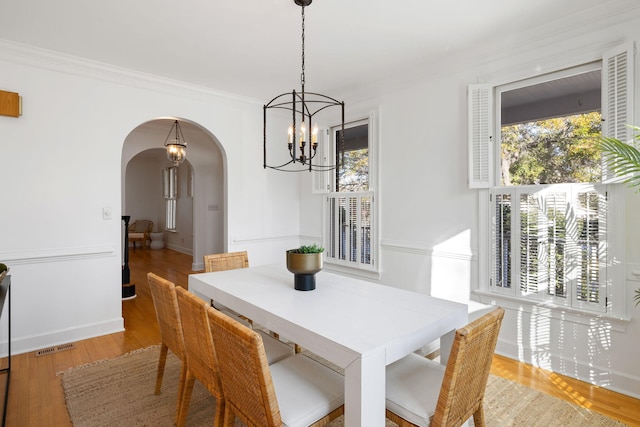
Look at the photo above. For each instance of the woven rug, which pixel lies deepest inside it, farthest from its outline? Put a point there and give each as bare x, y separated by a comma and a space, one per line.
119, 392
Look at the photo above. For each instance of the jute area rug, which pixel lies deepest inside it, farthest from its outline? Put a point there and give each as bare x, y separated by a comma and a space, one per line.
120, 392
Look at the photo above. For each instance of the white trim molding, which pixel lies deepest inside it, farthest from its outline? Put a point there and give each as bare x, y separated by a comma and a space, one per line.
56, 61
606, 377
548, 310
56, 255
37, 342
408, 247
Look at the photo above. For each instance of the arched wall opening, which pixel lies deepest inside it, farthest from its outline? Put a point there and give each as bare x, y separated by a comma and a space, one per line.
201, 225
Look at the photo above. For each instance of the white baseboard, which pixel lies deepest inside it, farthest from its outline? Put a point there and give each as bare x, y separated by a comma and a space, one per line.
178, 248
604, 377
25, 345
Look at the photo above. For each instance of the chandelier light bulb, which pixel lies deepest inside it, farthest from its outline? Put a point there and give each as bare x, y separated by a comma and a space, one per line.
303, 133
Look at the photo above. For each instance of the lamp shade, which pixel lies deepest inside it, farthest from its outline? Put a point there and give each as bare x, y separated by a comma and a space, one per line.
176, 146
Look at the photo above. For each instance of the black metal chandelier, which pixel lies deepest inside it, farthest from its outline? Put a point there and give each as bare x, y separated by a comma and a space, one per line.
176, 146
302, 141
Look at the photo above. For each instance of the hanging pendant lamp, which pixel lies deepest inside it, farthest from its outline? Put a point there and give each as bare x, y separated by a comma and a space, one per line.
301, 137
176, 146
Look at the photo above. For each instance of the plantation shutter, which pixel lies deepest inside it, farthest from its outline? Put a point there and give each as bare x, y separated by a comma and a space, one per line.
480, 139
170, 192
591, 226
350, 229
617, 94
501, 241
320, 179
558, 235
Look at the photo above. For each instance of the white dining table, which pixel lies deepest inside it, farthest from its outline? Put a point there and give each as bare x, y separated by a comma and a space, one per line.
358, 325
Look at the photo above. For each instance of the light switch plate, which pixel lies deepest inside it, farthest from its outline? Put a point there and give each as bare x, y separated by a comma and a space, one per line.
106, 213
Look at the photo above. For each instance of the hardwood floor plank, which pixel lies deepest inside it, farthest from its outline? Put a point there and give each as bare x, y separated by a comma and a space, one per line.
614, 405
36, 397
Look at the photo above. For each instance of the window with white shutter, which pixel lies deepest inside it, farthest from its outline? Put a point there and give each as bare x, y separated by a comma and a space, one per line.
350, 210
559, 231
170, 191
554, 236
480, 127
618, 89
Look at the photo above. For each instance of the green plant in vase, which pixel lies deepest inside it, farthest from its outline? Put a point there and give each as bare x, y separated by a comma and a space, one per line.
623, 159
310, 249
304, 262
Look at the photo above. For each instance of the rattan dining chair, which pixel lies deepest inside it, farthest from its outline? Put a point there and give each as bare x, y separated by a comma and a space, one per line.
422, 392
202, 363
294, 392
232, 261
165, 302
226, 261
222, 262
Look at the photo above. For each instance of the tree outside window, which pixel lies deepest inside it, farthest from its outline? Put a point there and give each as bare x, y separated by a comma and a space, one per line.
552, 151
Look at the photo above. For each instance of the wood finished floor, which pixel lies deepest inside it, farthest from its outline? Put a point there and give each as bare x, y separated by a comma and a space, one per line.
36, 397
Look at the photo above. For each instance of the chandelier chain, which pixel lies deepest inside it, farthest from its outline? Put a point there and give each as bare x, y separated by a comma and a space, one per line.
302, 76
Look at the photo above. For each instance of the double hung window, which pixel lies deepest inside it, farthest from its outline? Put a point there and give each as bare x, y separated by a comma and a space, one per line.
553, 221
350, 233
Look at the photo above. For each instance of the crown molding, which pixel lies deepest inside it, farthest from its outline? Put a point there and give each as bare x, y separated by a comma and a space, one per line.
55, 61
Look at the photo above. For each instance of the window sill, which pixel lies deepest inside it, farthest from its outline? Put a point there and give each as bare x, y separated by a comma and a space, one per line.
361, 273
537, 308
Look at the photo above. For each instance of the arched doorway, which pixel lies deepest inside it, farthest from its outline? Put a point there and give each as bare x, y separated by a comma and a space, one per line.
201, 208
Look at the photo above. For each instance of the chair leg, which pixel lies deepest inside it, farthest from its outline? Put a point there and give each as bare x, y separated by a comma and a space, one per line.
185, 399
181, 388
478, 416
161, 362
218, 421
229, 417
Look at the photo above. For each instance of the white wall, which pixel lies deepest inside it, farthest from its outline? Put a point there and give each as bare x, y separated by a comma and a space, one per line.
144, 190
64, 157
429, 227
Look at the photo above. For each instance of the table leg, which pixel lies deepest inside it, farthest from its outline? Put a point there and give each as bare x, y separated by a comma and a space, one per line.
364, 389
446, 341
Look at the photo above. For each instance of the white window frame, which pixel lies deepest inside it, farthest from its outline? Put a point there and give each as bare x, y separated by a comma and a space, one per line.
170, 193
617, 108
355, 266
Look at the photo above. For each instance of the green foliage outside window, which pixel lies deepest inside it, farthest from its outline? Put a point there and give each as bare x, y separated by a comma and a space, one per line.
552, 151
354, 170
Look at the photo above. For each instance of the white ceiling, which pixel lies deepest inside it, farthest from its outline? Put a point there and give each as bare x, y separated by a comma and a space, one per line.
252, 47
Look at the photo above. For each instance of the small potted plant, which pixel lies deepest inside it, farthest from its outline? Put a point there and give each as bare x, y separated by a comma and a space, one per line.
304, 262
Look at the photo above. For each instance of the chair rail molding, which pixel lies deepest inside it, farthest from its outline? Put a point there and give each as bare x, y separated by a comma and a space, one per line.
262, 239
57, 255
403, 246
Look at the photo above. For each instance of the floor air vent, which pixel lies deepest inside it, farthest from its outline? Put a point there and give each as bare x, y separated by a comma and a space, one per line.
55, 349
